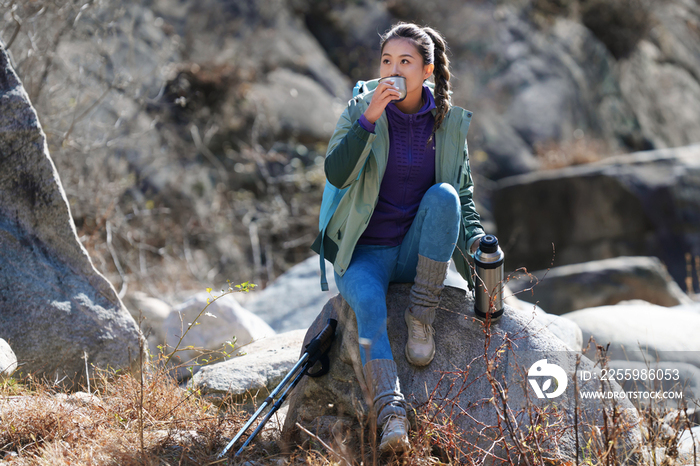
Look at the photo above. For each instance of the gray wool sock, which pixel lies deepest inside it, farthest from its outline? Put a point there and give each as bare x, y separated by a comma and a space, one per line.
426, 289
381, 376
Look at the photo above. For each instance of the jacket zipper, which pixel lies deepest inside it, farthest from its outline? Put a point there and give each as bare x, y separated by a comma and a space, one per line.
410, 163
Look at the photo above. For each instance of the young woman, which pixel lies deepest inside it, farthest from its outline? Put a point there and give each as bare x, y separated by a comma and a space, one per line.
407, 210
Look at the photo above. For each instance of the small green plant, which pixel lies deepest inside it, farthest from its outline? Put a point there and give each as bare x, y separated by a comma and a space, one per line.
225, 352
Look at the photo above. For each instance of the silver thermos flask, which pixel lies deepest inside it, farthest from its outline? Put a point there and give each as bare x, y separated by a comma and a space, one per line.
488, 262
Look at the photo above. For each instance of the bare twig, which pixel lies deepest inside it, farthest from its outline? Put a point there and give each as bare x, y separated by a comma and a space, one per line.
324, 444
208, 154
115, 258
78, 118
16, 31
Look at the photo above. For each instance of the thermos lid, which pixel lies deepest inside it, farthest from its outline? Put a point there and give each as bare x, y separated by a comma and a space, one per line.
488, 244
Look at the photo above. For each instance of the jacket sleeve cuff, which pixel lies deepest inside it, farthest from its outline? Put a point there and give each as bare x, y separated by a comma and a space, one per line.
471, 242
366, 125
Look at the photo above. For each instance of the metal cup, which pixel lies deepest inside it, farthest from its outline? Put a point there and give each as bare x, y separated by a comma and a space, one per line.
399, 82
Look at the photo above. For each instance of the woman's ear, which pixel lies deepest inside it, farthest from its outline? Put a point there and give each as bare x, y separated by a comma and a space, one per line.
427, 71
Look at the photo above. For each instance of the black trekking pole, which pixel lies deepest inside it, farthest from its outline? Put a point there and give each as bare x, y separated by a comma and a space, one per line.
316, 350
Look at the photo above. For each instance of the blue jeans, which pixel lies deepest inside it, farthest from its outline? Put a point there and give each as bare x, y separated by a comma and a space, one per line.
433, 234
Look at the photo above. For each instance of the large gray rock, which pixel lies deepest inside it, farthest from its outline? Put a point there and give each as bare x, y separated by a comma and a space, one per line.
285, 95
564, 329
642, 332
668, 56
598, 283
54, 305
174, 110
644, 204
8, 360
456, 381
254, 371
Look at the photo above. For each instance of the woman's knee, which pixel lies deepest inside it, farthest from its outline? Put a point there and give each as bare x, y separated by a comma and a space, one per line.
370, 310
368, 301
371, 321
442, 196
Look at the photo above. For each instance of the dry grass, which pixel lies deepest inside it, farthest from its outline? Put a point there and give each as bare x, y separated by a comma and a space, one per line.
580, 151
39, 426
43, 427
125, 422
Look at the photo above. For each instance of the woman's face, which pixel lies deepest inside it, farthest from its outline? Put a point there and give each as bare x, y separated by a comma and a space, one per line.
401, 58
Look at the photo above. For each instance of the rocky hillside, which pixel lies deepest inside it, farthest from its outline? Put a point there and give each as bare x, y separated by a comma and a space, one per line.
189, 136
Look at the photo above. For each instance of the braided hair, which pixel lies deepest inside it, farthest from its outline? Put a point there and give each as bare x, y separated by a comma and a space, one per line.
433, 48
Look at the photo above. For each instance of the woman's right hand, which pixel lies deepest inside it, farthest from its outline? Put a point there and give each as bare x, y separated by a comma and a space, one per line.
383, 94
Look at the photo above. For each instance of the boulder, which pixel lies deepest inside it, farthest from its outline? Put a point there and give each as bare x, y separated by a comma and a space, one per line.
8, 360
643, 204
295, 298
255, 370
54, 306
564, 329
456, 384
223, 321
503, 151
642, 332
665, 55
175, 107
285, 95
567, 288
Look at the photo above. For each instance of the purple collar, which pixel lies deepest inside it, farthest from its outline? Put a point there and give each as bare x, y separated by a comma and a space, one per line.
428, 106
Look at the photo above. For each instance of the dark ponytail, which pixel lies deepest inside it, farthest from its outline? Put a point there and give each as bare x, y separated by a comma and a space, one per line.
442, 76
433, 49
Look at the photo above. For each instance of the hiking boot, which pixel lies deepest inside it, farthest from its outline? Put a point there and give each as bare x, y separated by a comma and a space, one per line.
420, 347
419, 317
388, 404
394, 436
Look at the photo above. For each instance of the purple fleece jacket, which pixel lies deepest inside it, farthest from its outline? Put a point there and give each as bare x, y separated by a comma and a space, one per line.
410, 172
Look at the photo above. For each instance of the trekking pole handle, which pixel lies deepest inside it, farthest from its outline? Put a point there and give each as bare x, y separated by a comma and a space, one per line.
322, 342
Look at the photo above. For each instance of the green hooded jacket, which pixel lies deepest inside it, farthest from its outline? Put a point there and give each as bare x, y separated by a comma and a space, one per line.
357, 159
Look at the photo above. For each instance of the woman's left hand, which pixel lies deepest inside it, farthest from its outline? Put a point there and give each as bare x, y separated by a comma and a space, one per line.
475, 246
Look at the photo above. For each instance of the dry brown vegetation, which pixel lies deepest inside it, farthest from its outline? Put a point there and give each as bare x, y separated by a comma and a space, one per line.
149, 419
581, 151
104, 427
123, 420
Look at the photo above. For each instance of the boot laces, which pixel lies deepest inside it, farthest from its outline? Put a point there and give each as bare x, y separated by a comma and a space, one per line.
395, 423
421, 331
